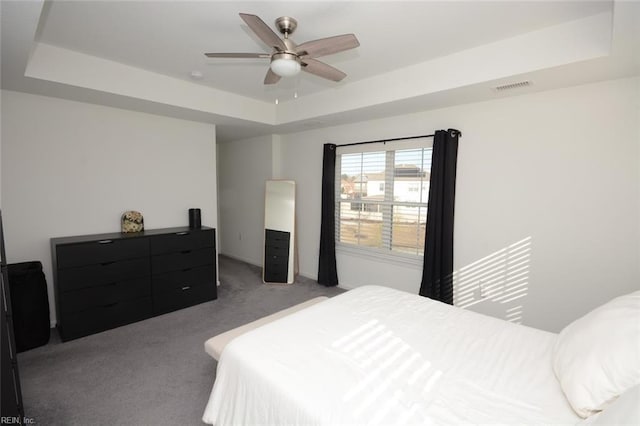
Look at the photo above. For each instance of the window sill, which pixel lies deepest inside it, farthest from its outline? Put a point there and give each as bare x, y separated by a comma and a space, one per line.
376, 255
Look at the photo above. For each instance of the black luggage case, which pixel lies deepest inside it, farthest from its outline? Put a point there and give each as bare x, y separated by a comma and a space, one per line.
30, 305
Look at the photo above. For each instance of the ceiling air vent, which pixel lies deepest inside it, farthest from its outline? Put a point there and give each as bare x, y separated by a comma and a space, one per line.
510, 86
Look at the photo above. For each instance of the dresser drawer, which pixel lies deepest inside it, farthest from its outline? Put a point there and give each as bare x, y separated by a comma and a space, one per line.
182, 260
276, 251
277, 238
179, 241
275, 275
103, 281
276, 270
178, 298
170, 281
104, 273
276, 257
276, 260
96, 252
78, 324
105, 295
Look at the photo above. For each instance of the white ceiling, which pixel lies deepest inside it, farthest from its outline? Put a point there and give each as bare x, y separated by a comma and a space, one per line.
171, 37
413, 55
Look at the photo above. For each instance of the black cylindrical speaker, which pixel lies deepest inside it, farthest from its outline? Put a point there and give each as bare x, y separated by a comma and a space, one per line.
194, 219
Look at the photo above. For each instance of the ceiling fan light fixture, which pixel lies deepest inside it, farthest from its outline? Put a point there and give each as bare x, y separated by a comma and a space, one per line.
285, 64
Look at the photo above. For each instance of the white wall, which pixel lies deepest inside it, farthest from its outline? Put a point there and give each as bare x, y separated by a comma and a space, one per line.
244, 167
557, 169
70, 168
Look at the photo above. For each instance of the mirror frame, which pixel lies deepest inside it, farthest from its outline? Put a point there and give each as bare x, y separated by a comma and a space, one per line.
279, 219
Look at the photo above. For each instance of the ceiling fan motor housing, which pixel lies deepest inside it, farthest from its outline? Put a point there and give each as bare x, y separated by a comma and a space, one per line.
286, 25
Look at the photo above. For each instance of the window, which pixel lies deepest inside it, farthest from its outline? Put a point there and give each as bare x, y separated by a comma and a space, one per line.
381, 196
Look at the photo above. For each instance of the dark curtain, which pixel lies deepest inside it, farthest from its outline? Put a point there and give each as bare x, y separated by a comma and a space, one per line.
437, 270
327, 270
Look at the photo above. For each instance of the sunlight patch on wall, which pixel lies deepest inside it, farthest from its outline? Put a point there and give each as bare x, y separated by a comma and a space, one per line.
500, 278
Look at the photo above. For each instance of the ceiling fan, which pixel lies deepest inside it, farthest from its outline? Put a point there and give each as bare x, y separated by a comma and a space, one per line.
288, 58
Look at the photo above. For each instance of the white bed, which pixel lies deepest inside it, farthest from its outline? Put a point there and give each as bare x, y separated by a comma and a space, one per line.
374, 355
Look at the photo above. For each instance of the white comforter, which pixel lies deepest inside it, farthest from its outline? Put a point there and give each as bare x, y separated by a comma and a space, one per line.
374, 355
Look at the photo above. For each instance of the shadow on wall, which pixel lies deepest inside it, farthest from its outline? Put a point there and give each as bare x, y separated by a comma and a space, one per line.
496, 284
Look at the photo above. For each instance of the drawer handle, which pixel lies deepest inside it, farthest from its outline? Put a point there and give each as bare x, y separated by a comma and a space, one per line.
185, 251
182, 233
108, 305
108, 263
105, 241
187, 270
186, 287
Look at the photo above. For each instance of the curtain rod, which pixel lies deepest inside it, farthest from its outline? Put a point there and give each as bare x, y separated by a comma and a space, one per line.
397, 139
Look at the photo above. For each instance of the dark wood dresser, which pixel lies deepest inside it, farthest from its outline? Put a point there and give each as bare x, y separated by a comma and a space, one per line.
276, 256
107, 280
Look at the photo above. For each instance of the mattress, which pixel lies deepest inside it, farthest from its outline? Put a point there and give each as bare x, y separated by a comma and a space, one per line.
374, 355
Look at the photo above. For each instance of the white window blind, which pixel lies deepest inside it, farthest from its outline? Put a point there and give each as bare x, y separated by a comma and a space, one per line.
382, 195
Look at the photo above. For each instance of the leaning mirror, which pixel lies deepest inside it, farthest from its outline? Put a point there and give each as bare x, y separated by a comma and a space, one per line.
279, 233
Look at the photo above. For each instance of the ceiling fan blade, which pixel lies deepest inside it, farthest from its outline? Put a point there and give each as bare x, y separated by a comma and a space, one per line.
327, 46
271, 77
322, 70
263, 31
237, 55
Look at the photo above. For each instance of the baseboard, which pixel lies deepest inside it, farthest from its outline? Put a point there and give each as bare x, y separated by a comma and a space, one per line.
315, 278
241, 259
347, 286
302, 274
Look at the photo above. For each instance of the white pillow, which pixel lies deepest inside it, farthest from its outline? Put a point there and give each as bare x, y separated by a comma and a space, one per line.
597, 357
623, 411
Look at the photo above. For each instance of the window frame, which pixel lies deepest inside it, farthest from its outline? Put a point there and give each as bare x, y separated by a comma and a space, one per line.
385, 252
